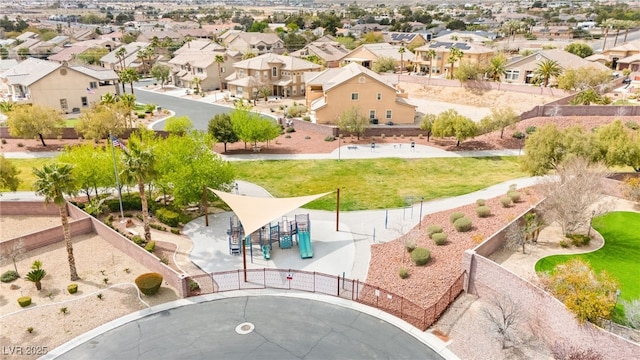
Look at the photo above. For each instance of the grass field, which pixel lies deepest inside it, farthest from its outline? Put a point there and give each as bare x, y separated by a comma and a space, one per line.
619, 255
378, 183
71, 123
25, 168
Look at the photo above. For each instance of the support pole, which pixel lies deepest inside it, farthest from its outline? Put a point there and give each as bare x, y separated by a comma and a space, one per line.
420, 219
337, 209
244, 258
115, 170
206, 205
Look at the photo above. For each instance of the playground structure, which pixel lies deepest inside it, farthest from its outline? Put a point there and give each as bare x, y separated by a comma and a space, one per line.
286, 233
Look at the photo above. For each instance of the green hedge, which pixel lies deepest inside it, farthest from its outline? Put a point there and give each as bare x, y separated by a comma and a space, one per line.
129, 203
439, 238
463, 224
168, 217
483, 211
420, 256
9, 276
151, 246
149, 283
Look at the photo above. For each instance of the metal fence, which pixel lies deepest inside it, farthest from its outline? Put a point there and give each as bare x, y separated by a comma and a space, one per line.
333, 285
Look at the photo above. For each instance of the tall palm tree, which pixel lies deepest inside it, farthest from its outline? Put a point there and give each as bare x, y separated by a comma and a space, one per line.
196, 81
455, 54
618, 24
606, 25
219, 60
139, 165
129, 76
129, 103
53, 182
497, 67
627, 24
108, 99
120, 53
431, 54
546, 70
402, 50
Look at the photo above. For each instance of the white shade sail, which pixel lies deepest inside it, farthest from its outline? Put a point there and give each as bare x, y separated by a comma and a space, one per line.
256, 212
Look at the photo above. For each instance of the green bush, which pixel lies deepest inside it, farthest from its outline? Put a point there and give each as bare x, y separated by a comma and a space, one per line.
158, 227
151, 246
193, 285
72, 288
632, 125
290, 129
463, 224
404, 273
518, 135
455, 216
563, 244
420, 256
439, 238
483, 211
175, 231
149, 283
24, 301
138, 240
329, 138
505, 201
579, 239
168, 217
433, 229
129, 203
9, 276
481, 202
514, 195
530, 130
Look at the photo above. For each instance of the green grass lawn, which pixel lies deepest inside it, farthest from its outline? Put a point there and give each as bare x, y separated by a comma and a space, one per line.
71, 123
378, 183
619, 256
25, 168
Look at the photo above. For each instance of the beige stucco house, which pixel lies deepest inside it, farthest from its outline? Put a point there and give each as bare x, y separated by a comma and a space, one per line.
129, 60
59, 86
624, 56
333, 91
325, 48
521, 70
281, 75
201, 63
256, 43
367, 55
439, 65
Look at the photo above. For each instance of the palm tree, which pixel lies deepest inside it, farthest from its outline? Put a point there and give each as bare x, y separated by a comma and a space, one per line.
196, 81
108, 99
627, 24
455, 54
219, 60
36, 274
120, 53
546, 70
497, 67
129, 103
139, 165
606, 24
431, 54
53, 182
618, 24
129, 75
402, 50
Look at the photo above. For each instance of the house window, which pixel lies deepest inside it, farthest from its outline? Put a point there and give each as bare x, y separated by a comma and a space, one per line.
199, 70
239, 90
295, 91
63, 104
301, 89
241, 73
354, 96
93, 84
84, 101
223, 70
388, 116
512, 75
372, 114
379, 96
265, 74
274, 71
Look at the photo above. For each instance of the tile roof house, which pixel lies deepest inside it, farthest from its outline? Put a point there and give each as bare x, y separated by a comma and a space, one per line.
333, 91
367, 55
325, 48
408, 40
281, 75
256, 43
59, 86
128, 60
624, 56
438, 66
197, 59
521, 70
69, 53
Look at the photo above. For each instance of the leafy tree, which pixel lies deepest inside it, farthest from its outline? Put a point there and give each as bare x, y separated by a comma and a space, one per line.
251, 127
178, 125
584, 78
469, 71
615, 146
29, 121
139, 167
580, 49
92, 167
499, 119
427, 124
219, 59
354, 122
450, 123
347, 41
99, 121
92, 56
497, 67
545, 70
53, 182
384, 64
258, 26
590, 296
371, 38
221, 128
161, 73
456, 25
8, 175
544, 150
129, 76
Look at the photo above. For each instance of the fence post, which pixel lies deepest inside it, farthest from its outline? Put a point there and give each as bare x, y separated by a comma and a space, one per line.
264, 278
338, 285
401, 307
213, 287
314, 281
239, 277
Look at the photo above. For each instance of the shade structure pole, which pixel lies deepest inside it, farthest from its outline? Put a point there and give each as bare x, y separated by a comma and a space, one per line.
206, 206
337, 209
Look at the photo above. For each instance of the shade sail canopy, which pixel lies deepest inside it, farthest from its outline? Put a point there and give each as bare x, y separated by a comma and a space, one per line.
255, 212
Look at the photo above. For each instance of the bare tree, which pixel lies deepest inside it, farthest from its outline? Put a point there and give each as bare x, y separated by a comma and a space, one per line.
515, 237
504, 314
563, 351
571, 195
13, 251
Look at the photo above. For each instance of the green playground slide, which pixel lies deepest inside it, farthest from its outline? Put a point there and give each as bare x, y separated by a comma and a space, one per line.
304, 242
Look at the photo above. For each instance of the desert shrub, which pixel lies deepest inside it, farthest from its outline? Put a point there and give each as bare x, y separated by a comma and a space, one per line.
463, 224
287, 136
632, 125
158, 227
514, 195
505, 201
151, 246
483, 211
420, 256
562, 351
477, 238
307, 137
24, 301
306, 118
329, 138
563, 244
20, 144
4, 141
30, 329
175, 231
168, 217
439, 238
404, 273
518, 135
149, 283
530, 130
296, 111
481, 202
139, 217
72, 288
138, 240
193, 285
9, 276
129, 203
455, 216
290, 129
579, 239
433, 229
632, 188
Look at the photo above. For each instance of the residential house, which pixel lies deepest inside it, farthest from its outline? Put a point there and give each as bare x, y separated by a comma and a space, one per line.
438, 66
360, 29
59, 86
128, 60
69, 53
325, 48
162, 35
522, 70
333, 91
624, 56
256, 43
368, 54
408, 40
197, 59
545, 32
196, 33
282, 75
478, 37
